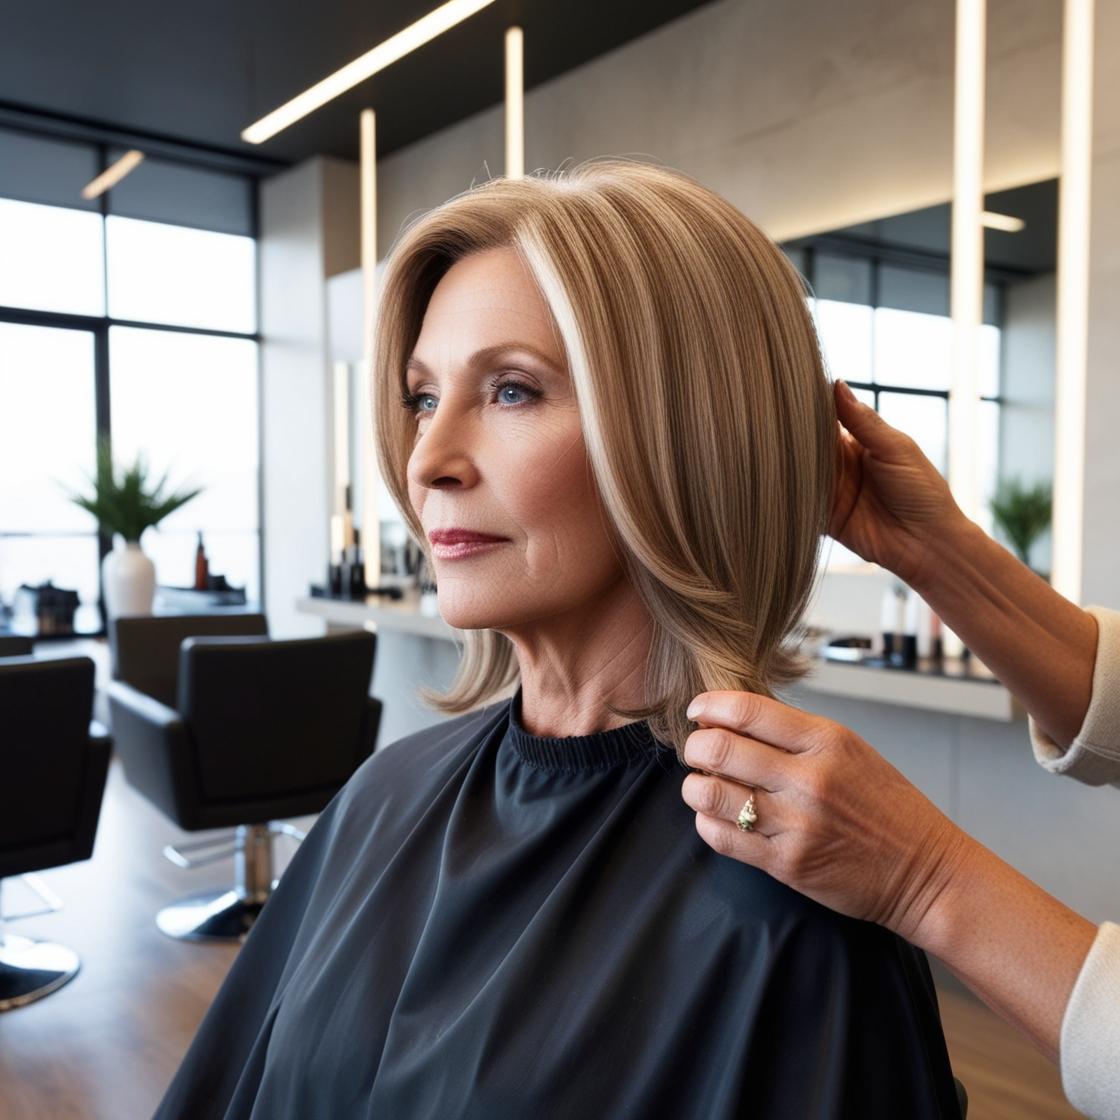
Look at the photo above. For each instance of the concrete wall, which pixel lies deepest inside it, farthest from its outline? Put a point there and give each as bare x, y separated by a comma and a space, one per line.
806, 116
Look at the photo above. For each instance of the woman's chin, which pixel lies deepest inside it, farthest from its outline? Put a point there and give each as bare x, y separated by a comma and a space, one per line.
468, 616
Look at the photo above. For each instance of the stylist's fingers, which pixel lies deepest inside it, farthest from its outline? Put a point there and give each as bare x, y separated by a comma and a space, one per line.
869, 428
721, 801
756, 717
718, 751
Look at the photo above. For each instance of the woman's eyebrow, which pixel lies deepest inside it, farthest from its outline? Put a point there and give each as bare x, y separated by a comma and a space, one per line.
491, 353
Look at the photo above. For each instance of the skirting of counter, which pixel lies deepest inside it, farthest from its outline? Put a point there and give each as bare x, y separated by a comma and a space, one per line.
977, 698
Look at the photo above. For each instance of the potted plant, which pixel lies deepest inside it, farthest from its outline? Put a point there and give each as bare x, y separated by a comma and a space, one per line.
1021, 513
125, 504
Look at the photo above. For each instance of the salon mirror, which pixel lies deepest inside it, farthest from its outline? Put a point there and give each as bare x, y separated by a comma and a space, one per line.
880, 298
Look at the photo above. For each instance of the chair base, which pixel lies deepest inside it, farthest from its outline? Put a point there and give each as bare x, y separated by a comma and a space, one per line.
213, 916
31, 969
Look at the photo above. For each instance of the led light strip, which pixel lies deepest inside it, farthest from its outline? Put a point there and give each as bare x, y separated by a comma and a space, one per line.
515, 103
367, 234
384, 54
113, 174
1005, 222
1074, 197
966, 278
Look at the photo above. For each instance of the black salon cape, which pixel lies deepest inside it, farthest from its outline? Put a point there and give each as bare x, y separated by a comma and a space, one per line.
486, 923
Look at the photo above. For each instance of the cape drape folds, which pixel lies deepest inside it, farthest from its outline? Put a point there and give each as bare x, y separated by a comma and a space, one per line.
491, 924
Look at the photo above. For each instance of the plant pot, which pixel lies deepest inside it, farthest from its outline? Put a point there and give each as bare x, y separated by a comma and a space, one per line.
129, 580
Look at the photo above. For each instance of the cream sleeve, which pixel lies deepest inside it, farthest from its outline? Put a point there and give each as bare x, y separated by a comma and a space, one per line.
1094, 756
1090, 1042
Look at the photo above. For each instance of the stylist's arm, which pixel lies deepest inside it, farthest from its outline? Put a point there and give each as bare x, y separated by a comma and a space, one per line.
840, 824
893, 508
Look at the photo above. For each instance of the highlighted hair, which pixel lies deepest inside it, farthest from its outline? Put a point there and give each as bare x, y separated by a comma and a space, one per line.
706, 411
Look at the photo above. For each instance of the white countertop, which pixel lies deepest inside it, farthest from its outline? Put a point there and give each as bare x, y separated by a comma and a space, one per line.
407, 615
978, 698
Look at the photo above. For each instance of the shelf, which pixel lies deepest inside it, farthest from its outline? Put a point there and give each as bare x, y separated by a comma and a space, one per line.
979, 698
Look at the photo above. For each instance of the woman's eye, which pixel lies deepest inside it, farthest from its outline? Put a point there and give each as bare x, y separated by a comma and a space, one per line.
516, 388
510, 393
411, 402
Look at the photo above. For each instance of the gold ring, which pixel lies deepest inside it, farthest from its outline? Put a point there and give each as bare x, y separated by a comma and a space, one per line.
747, 815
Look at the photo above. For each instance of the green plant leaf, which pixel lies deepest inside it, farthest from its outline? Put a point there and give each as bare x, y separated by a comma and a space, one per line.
1021, 513
124, 500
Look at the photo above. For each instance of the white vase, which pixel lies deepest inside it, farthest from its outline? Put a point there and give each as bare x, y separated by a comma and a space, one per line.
129, 580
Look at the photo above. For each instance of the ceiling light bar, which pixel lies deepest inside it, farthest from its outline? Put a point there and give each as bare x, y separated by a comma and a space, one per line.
113, 174
367, 223
396, 46
1005, 222
515, 103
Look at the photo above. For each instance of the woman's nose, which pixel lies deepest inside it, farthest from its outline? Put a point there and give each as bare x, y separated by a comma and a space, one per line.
444, 454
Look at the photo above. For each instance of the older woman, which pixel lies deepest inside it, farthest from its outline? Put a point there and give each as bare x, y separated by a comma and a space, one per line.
617, 444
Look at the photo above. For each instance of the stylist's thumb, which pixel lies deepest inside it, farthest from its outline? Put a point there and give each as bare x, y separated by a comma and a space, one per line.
864, 422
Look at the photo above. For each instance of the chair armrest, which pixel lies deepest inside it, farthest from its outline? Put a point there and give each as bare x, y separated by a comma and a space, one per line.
124, 696
154, 746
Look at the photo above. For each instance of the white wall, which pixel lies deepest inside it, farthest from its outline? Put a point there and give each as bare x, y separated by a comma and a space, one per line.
1100, 567
308, 225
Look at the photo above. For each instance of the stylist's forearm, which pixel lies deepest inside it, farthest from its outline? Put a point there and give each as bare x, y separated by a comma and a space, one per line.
1039, 644
1017, 947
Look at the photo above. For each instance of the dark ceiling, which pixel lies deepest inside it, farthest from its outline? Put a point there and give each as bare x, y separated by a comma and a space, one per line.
201, 72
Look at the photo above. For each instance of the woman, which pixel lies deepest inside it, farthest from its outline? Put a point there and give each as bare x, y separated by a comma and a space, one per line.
616, 442
877, 849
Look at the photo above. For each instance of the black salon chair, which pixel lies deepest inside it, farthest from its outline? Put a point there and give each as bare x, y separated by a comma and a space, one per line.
53, 762
144, 650
15, 646
255, 731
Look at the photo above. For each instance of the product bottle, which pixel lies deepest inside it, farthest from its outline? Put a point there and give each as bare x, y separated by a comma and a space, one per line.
908, 647
201, 567
890, 623
357, 568
925, 630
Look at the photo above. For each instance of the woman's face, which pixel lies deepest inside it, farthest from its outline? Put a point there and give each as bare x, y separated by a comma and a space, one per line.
499, 450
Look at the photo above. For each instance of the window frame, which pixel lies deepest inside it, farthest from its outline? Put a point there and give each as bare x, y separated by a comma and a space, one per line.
100, 325
877, 257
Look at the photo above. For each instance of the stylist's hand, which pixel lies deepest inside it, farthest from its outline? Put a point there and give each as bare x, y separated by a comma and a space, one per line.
835, 821
890, 501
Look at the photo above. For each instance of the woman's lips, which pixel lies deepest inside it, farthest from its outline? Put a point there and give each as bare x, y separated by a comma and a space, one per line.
463, 549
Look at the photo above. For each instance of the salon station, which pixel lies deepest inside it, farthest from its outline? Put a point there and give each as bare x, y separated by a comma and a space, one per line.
196, 213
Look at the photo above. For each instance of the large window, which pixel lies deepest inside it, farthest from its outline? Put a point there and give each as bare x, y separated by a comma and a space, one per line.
189, 404
134, 316
48, 415
885, 329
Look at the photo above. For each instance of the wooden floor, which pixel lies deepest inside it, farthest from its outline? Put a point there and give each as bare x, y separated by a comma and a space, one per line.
105, 1046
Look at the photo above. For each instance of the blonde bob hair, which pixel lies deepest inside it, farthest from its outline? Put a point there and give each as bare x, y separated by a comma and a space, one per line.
707, 415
